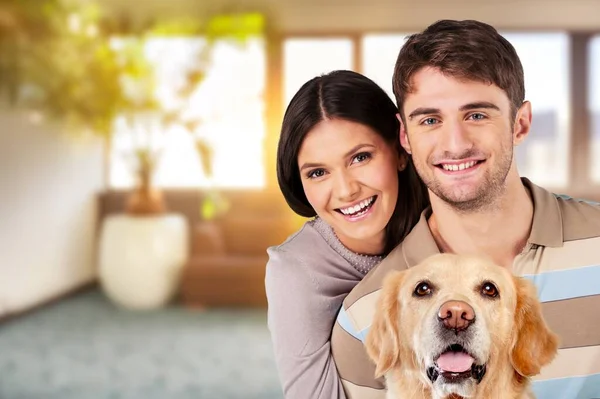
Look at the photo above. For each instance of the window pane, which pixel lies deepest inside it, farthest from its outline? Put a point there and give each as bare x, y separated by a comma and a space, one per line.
379, 58
304, 59
594, 104
543, 157
228, 103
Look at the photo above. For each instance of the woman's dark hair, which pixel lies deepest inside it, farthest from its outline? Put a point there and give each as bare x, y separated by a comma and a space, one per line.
350, 96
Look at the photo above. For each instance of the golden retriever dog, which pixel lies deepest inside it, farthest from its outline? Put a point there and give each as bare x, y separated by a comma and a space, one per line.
458, 327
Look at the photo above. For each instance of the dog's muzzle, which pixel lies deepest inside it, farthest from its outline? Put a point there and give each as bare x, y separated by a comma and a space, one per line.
476, 372
456, 364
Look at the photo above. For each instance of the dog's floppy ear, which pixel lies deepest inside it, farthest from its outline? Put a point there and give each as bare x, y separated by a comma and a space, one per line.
534, 345
383, 339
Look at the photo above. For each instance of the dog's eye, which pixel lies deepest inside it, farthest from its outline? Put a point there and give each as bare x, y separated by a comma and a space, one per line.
488, 289
423, 289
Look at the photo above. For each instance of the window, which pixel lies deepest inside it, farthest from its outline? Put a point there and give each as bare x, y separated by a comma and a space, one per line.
304, 59
379, 58
543, 157
229, 104
594, 106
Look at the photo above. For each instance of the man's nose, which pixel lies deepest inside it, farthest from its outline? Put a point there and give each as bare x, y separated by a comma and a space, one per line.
456, 315
456, 138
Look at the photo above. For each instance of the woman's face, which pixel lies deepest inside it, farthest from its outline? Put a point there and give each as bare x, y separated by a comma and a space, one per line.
350, 177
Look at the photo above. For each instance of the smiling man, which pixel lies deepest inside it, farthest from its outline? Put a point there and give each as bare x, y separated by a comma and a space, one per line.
459, 87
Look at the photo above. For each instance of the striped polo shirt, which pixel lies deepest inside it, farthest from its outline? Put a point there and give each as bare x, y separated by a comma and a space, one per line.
562, 258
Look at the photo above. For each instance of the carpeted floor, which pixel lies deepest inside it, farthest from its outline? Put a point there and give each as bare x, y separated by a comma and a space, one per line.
86, 348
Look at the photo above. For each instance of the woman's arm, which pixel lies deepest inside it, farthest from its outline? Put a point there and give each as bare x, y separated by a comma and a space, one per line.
300, 320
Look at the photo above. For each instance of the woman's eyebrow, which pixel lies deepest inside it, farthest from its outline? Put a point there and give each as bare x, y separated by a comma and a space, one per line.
357, 147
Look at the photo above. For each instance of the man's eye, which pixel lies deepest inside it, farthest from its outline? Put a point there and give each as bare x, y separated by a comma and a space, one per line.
363, 156
313, 174
429, 121
477, 116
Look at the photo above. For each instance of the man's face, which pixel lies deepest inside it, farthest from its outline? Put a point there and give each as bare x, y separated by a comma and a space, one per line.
461, 137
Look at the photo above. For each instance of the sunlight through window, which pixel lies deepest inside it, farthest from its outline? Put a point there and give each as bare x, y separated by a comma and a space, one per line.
228, 105
304, 59
543, 157
379, 58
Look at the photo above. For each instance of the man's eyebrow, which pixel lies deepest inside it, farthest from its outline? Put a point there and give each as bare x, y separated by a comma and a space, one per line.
423, 111
479, 105
466, 107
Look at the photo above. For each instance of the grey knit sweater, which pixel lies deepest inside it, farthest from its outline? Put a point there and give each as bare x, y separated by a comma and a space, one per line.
307, 278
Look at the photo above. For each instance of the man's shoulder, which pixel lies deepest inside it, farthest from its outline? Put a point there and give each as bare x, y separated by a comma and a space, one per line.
373, 281
580, 218
417, 246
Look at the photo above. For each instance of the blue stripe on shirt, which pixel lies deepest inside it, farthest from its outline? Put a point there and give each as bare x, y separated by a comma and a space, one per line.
567, 284
586, 387
568, 197
345, 322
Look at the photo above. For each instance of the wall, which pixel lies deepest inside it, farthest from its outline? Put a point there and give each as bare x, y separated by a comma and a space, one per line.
382, 15
48, 184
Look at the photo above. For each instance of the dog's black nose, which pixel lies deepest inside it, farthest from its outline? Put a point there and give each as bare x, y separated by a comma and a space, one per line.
456, 315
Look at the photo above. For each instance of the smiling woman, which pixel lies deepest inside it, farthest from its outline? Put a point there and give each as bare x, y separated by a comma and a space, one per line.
339, 161
354, 184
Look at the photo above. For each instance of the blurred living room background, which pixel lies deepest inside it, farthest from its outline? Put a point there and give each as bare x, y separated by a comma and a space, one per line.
137, 171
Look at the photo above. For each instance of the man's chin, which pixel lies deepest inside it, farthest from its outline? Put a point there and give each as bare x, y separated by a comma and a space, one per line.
462, 198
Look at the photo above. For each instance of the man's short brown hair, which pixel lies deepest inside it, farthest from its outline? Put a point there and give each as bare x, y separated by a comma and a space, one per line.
469, 50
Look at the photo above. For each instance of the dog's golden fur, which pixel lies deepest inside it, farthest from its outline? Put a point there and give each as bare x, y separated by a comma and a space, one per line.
509, 334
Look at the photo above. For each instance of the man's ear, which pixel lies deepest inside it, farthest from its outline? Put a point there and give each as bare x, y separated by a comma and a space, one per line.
522, 124
533, 345
403, 136
383, 339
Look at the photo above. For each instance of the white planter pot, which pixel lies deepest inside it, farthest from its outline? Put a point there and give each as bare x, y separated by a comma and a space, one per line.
141, 258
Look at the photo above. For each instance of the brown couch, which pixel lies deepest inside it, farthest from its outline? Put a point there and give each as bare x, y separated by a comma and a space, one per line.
227, 266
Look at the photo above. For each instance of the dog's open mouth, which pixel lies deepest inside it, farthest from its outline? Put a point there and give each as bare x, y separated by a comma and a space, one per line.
455, 364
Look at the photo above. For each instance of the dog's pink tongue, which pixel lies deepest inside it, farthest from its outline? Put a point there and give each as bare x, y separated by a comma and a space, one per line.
456, 362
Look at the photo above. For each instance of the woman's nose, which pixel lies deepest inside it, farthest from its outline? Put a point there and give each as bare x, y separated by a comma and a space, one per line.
347, 187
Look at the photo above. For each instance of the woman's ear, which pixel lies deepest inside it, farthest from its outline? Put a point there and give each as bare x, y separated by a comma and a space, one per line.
534, 345
383, 339
402, 160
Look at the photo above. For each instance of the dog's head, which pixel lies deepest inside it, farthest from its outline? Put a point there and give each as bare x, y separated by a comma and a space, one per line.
455, 319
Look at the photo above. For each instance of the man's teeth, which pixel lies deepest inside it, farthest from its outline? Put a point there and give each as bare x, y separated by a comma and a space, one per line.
356, 208
462, 166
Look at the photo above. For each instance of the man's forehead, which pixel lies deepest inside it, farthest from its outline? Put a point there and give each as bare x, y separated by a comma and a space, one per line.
437, 90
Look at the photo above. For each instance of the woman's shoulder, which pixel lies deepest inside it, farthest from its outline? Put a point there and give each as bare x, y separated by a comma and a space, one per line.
307, 237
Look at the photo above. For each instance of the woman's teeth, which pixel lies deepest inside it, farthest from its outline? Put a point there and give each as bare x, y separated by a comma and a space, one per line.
359, 208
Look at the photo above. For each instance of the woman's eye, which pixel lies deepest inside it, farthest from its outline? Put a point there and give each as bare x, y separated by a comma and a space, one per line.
313, 174
363, 156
